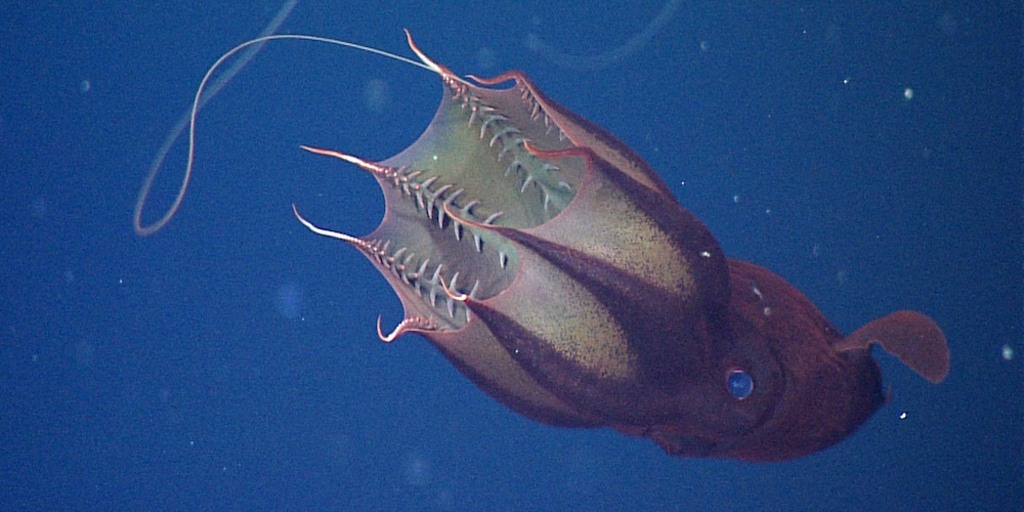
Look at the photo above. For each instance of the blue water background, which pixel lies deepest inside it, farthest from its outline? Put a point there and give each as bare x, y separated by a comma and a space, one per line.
870, 153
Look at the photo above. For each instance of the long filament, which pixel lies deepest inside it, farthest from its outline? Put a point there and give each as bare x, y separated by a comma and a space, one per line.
200, 100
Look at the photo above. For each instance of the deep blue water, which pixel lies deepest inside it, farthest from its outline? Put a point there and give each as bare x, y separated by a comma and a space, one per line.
869, 154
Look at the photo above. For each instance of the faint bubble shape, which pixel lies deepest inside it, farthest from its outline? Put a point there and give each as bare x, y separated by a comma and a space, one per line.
416, 470
84, 353
289, 301
376, 96
486, 58
599, 60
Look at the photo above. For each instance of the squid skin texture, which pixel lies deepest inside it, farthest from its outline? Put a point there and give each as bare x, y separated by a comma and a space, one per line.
552, 266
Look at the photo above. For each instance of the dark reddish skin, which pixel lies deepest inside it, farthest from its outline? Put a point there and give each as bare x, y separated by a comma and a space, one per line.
554, 268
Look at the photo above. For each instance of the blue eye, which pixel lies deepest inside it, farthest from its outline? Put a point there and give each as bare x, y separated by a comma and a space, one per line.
740, 384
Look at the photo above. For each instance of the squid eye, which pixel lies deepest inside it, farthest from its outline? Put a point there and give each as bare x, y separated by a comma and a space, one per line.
740, 384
